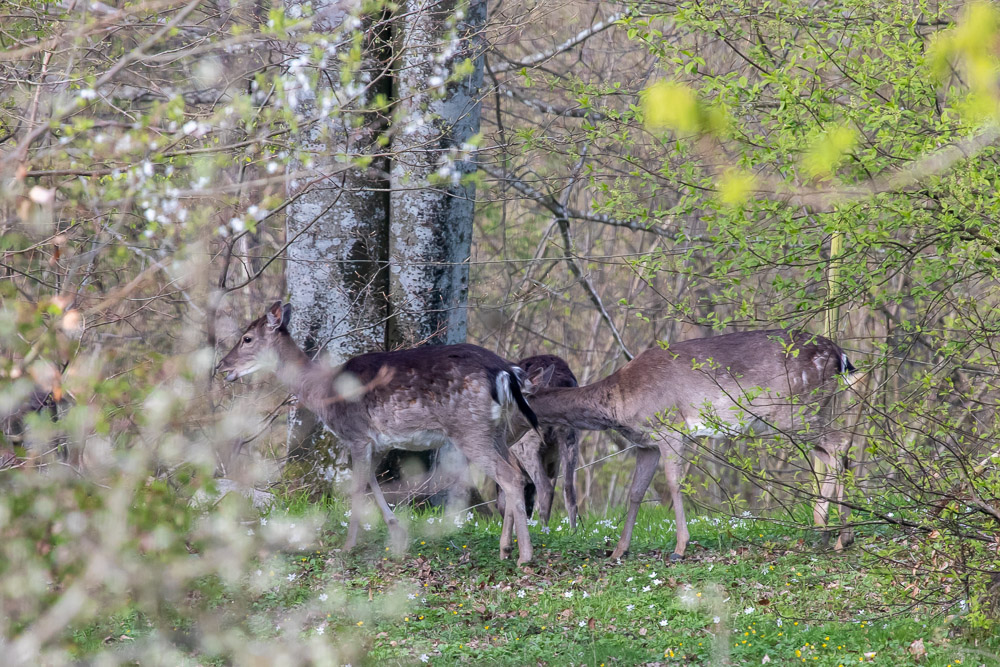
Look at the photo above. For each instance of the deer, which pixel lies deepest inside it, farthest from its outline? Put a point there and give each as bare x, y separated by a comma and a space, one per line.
758, 383
416, 399
541, 451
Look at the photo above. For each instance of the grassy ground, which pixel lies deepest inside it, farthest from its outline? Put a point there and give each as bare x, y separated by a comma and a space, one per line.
749, 593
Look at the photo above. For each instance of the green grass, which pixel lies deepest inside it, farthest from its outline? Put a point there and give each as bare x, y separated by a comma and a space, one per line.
749, 591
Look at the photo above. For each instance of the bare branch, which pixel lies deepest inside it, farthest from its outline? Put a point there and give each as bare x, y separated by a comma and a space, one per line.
581, 36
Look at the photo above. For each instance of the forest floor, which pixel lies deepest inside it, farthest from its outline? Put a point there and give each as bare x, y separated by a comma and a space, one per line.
750, 592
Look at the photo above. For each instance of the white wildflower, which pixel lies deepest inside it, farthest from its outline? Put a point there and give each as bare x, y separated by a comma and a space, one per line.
323, 597
748, 610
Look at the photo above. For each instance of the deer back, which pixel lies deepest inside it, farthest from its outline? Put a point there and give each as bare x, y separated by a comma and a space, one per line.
763, 374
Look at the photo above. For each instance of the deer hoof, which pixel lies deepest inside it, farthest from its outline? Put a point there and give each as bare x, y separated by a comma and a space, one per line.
397, 539
824, 539
675, 557
844, 540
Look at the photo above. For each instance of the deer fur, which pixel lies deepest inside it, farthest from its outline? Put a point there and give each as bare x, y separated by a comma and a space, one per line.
541, 451
762, 382
414, 399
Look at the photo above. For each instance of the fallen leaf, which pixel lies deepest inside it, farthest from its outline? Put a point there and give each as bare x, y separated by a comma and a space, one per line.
917, 650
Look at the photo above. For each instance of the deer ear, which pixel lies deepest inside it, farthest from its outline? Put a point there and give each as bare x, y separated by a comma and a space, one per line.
277, 316
538, 378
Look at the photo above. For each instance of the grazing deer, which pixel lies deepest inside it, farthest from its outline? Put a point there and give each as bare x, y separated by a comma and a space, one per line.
540, 452
761, 382
415, 399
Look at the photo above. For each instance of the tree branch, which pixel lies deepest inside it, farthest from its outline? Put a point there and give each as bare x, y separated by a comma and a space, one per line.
557, 209
542, 56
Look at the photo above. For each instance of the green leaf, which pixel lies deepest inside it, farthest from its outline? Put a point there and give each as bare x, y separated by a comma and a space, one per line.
826, 153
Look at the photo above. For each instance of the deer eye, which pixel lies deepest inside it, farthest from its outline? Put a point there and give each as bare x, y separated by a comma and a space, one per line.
247, 339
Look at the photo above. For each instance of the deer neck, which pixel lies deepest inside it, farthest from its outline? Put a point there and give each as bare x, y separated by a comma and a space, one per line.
296, 370
590, 407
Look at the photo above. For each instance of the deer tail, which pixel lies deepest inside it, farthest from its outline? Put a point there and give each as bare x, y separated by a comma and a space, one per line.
514, 381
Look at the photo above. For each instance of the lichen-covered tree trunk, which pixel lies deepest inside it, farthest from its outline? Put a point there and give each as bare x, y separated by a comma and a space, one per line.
376, 264
336, 267
431, 204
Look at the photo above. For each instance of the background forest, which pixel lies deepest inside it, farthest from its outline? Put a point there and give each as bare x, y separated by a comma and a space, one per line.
585, 179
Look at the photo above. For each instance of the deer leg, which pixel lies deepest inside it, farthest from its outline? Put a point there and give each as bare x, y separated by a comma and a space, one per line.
846, 536
528, 453
361, 471
646, 459
824, 468
512, 482
397, 533
674, 469
543, 471
569, 451
490, 454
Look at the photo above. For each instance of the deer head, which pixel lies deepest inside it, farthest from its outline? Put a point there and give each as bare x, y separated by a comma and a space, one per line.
259, 345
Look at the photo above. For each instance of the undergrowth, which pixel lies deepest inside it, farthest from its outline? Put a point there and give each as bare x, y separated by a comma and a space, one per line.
749, 592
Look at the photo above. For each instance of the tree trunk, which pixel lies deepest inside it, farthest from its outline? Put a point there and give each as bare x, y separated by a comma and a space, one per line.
370, 270
336, 263
431, 205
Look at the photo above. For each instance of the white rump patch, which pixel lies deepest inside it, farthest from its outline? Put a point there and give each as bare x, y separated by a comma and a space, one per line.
503, 389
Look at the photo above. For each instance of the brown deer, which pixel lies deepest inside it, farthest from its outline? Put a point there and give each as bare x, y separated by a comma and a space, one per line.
415, 399
541, 451
759, 383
